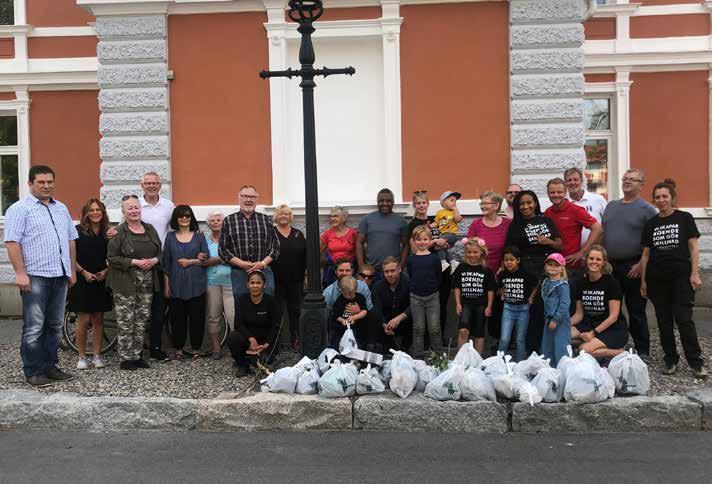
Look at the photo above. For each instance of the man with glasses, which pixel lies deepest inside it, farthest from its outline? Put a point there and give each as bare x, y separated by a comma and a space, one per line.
623, 222
156, 210
248, 242
594, 203
511, 192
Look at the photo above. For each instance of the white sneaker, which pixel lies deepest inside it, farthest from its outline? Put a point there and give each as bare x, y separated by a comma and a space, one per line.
98, 362
82, 364
453, 266
445, 264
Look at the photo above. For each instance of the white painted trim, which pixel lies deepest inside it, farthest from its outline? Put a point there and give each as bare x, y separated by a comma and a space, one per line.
600, 88
62, 32
677, 9
709, 114
391, 24
615, 10
20, 106
60, 66
622, 127
10, 30
20, 12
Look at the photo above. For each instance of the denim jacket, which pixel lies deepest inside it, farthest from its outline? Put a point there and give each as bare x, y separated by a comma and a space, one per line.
556, 300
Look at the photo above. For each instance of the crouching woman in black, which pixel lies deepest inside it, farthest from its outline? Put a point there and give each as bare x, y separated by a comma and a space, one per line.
257, 320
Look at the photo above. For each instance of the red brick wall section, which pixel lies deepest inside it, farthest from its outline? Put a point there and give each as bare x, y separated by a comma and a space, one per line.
64, 133
455, 115
7, 96
220, 114
56, 13
7, 48
655, 26
59, 47
599, 77
669, 132
600, 29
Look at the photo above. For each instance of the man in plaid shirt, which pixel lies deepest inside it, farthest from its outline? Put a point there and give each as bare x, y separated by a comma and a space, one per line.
248, 242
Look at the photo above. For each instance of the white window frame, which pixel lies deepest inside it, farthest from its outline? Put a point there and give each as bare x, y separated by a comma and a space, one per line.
19, 107
610, 137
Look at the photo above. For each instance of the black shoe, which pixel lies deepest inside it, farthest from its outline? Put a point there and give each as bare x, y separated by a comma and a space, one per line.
141, 364
159, 355
127, 365
700, 373
39, 381
645, 357
670, 369
56, 374
243, 371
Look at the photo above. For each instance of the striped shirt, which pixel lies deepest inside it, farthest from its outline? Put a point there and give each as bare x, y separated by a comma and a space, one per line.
248, 238
43, 232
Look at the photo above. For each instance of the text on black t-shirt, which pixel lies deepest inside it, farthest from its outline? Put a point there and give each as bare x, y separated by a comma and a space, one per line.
474, 282
516, 286
667, 237
595, 296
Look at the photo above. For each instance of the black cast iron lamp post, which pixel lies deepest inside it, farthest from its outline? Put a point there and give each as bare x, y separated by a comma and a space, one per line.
314, 316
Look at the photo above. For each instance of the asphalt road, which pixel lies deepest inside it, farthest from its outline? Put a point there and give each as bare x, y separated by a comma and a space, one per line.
39, 457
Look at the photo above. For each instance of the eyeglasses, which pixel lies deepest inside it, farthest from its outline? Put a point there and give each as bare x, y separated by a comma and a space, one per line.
126, 197
513, 192
366, 276
185, 215
249, 197
627, 179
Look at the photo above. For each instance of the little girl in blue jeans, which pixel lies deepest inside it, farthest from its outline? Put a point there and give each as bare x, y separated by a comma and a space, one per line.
557, 322
517, 287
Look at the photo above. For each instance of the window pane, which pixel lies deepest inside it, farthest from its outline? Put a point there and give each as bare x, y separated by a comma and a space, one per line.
7, 12
596, 114
597, 166
10, 182
8, 131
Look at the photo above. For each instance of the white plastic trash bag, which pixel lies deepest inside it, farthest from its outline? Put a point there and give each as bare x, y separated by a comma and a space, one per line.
348, 341
525, 391
308, 382
608, 382
426, 374
385, 372
477, 386
564, 363
338, 381
324, 359
547, 383
403, 374
368, 381
630, 374
504, 383
495, 366
584, 383
468, 356
306, 363
447, 385
283, 380
528, 368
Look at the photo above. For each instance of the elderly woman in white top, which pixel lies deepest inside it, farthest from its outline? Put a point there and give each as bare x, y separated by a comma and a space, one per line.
219, 294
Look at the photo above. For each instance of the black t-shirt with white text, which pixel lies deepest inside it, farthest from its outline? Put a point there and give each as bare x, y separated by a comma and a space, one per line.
667, 237
524, 236
595, 296
516, 286
474, 282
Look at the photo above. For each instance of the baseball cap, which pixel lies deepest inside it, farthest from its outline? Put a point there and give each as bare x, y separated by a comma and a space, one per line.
558, 258
448, 193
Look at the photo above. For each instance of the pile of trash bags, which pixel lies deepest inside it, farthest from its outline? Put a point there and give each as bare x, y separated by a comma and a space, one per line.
468, 377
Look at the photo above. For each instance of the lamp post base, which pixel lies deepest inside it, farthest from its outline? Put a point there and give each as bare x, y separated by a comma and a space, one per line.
312, 323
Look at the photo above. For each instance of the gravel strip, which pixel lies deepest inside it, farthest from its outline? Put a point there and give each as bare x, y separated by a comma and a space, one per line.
207, 378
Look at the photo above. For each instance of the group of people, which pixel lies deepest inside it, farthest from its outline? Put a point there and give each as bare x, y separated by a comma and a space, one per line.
537, 280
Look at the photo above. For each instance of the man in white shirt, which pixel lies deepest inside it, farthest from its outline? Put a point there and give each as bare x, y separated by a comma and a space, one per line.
594, 203
157, 211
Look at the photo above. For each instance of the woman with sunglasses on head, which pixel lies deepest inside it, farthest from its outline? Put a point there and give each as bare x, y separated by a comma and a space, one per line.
670, 275
134, 256
184, 253
89, 297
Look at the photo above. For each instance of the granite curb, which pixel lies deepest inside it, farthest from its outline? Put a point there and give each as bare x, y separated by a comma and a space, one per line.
30, 410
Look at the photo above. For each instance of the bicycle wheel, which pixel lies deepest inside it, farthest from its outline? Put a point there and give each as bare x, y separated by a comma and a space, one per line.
109, 335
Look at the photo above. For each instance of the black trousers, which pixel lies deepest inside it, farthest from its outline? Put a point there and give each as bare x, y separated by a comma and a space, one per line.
401, 340
157, 310
291, 295
635, 304
671, 293
365, 330
239, 345
445, 290
188, 314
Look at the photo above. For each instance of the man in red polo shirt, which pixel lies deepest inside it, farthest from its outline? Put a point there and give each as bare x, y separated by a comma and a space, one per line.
570, 218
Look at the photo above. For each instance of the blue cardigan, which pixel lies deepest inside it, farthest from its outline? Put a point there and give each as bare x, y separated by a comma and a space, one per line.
556, 300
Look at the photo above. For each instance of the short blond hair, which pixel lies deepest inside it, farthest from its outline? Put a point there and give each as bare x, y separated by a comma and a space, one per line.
495, 197
422, 229
283, 208
348, 283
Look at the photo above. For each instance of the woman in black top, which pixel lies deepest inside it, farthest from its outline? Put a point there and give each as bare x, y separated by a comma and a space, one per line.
289, 269
257, 320
90, 298
670, 276
598, 324
536, 237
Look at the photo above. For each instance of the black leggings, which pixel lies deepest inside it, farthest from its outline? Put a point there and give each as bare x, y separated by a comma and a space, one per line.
188, 314
671, 293
291, 294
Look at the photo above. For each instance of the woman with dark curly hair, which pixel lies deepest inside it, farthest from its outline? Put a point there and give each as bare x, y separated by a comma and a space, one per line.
184, 253
89, 297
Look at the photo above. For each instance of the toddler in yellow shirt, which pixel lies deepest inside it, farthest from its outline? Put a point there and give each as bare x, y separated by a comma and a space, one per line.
446, 220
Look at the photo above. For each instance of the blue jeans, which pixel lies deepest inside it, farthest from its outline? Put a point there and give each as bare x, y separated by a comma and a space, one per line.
239, 282
42, 316
514, 317
554, 343
425, 311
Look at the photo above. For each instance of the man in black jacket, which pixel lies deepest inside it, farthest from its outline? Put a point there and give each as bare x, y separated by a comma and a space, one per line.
391, 301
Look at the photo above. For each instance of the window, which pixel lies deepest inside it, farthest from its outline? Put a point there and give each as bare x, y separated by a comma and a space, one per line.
599, 138
7, 12
9, 180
